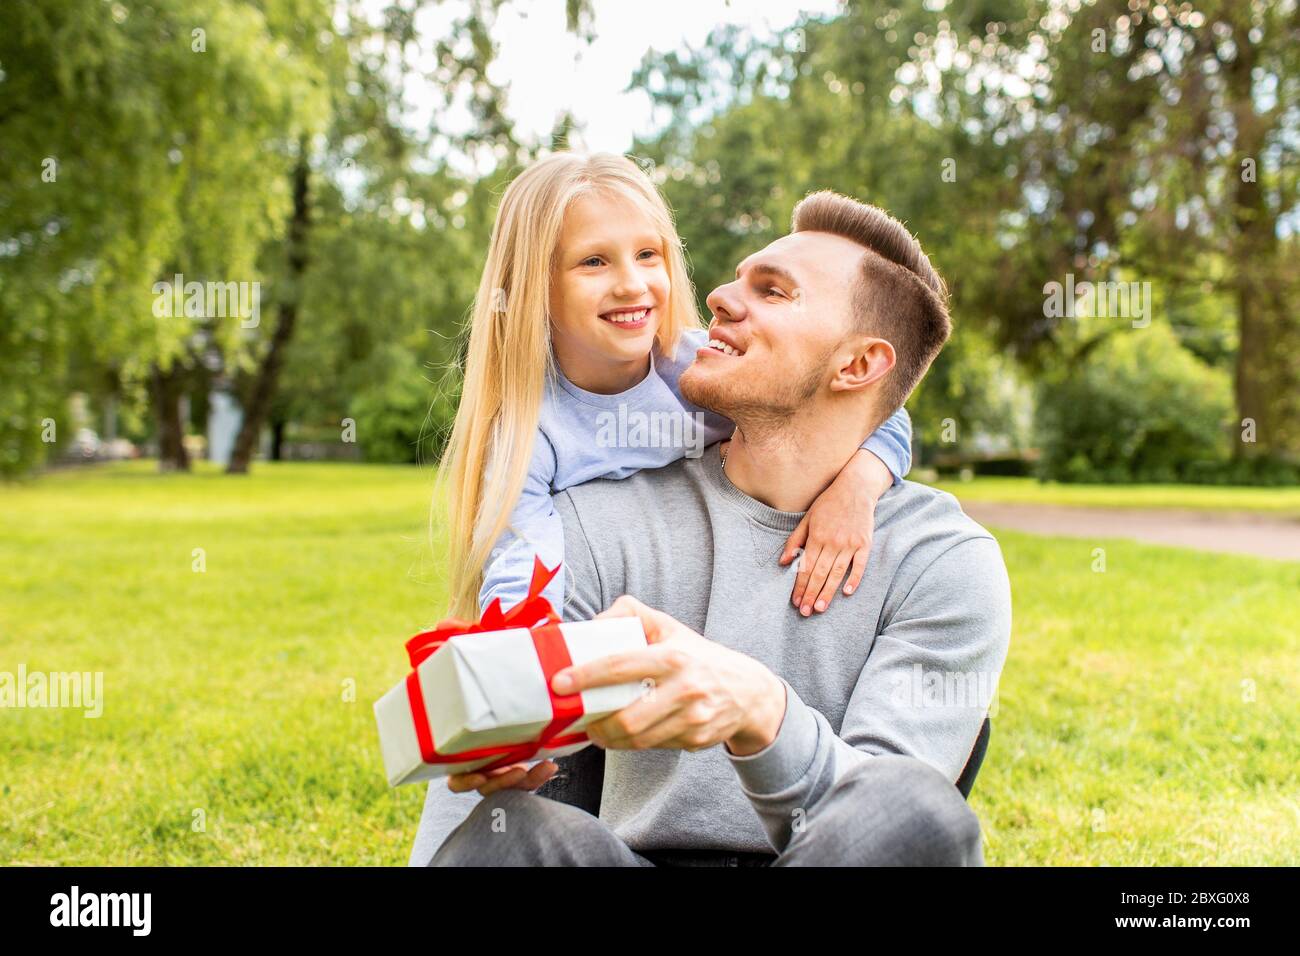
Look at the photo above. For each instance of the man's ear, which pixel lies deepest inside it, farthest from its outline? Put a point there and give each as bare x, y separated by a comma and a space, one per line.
868, 362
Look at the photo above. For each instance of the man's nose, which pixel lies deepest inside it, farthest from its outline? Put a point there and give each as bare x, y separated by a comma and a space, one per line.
724, 304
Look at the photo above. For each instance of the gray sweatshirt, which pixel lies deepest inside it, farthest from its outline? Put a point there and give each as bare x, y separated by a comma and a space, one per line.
907, 664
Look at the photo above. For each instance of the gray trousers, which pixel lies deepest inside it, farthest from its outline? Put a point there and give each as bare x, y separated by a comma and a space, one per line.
889, 811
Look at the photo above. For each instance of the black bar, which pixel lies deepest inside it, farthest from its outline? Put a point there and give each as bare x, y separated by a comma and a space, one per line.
393, 907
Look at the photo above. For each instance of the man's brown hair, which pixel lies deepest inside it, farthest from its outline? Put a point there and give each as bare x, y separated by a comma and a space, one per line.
899, 297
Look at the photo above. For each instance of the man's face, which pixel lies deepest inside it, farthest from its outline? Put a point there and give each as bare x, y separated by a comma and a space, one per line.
785, 319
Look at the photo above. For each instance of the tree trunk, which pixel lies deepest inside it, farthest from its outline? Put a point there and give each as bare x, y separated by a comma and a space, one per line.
168, 388
1267, 374
258, 405
1268, 352
277, 440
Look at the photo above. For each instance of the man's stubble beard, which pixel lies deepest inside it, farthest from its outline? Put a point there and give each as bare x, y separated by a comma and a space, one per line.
756, 413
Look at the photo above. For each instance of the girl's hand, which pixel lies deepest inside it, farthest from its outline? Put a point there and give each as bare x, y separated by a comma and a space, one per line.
837, 533
517, 776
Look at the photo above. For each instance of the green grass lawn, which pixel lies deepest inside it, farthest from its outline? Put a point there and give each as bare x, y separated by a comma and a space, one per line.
1147, 714
1280, 502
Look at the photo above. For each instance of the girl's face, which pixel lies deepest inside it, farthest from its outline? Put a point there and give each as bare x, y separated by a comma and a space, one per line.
609, 292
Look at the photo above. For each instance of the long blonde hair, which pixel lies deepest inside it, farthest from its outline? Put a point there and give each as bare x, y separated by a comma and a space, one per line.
509, 358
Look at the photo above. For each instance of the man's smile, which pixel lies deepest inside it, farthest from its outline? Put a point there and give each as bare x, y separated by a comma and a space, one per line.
723, 342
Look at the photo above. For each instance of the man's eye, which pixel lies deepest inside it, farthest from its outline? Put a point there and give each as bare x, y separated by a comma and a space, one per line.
775, 291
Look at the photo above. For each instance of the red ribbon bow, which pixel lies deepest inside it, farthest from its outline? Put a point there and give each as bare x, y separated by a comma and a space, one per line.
535, 613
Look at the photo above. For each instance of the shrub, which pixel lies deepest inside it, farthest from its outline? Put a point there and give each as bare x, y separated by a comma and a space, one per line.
1139, 407
403, 417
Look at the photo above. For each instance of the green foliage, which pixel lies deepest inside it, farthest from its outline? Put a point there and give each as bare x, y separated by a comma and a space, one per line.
978, 388
140, 141
393, 414
1013, 147
1138, 407
384, 302
1156, 140
1263, 470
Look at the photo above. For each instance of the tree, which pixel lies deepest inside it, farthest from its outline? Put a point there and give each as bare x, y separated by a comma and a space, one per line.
162, 161
1152, 139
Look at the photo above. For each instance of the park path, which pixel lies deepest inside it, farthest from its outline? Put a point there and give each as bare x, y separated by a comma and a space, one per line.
1234, 532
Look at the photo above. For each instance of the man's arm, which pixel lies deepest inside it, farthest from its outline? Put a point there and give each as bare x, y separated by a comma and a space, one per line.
924, 691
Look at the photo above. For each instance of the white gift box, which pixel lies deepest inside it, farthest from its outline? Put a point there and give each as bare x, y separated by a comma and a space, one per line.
487, 689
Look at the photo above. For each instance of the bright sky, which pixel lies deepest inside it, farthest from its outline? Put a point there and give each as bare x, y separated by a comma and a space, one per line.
545, 69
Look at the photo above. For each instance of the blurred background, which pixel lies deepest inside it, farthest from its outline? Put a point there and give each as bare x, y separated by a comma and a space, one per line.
347, 157
241, 238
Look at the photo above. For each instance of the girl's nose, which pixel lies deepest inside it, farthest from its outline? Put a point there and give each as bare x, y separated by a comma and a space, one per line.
630, 283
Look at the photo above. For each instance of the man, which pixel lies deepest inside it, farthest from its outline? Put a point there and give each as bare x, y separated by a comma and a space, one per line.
777, 738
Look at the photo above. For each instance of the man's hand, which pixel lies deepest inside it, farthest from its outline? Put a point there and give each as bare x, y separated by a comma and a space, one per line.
837, 532
699, 693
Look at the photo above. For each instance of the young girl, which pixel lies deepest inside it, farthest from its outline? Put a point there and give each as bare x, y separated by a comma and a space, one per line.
584, 320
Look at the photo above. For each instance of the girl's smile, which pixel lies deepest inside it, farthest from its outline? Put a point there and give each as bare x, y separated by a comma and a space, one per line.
629, 318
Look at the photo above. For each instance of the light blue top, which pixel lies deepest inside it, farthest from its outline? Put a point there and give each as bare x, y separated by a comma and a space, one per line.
584, 435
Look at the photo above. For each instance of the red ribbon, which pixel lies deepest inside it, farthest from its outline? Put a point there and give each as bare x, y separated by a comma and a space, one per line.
535, 613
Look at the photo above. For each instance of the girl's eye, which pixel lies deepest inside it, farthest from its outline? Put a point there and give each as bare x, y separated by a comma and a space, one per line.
591, 261
649, 252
